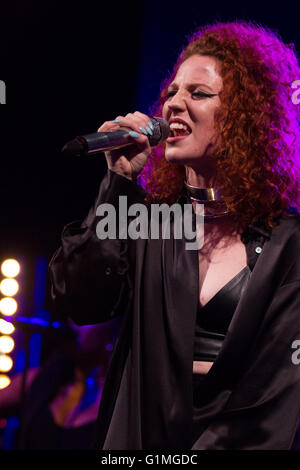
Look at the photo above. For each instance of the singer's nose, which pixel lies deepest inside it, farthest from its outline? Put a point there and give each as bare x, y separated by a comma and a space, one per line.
176, 102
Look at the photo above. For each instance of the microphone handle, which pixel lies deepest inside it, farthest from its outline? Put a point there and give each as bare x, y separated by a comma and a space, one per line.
96, 142
104, 141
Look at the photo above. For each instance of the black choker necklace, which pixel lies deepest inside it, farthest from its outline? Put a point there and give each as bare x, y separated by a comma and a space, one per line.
210, 197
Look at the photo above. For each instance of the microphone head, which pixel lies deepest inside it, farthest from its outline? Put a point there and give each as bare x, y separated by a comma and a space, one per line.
73, 148
161, 131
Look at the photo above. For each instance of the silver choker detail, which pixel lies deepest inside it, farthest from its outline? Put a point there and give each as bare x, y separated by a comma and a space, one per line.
216, 215
208, 196
203, 194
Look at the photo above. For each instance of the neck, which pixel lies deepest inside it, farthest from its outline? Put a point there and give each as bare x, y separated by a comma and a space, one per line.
200, 189
204, 178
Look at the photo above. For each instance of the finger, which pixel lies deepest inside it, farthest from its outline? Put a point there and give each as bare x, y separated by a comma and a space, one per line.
133, 123
146, 119
138, 122
139, 118
139, 139
110, 125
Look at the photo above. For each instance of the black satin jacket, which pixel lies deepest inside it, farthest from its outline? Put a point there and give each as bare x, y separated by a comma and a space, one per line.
250, 399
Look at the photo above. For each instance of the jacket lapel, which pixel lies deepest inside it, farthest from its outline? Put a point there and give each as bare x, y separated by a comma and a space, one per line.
267, 275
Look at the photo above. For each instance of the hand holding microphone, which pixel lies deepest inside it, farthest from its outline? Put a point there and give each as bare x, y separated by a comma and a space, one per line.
126, 142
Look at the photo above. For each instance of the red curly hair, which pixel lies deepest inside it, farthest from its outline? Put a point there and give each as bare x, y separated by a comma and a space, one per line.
257, 159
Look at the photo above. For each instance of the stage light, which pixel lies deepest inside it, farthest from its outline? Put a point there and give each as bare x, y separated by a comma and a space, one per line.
6, 363
7, 344
9, 287
6, 328
4, 381
8, 306
10, 268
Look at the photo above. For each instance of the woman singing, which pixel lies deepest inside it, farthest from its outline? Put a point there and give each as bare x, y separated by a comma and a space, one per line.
206, 353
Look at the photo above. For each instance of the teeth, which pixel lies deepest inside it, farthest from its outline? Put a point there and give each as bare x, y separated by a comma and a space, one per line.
178, 125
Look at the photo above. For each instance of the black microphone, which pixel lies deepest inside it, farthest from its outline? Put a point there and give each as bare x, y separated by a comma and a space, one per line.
91, 144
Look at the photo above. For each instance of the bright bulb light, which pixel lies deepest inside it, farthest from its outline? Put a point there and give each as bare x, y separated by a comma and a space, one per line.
6, 328
6, 363
8, 306
4, 381
9, 287
10, 268
7, 344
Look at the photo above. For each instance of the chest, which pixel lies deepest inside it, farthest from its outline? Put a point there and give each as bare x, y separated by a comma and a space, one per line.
218, 265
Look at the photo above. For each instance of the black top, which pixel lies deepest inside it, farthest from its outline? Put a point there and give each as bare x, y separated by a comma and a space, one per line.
251, 394
214, 318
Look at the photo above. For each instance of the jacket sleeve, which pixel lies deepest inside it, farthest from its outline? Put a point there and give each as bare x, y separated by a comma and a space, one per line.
262, 411
91, 278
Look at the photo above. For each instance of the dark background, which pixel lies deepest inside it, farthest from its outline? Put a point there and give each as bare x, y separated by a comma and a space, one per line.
69, 66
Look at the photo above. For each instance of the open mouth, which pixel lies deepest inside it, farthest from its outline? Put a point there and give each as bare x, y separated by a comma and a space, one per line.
178, 129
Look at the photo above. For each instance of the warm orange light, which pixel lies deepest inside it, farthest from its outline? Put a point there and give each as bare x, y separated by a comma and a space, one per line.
4, 381
6, 363
8, 306
7, 344
6, 327
10, 267
9, 287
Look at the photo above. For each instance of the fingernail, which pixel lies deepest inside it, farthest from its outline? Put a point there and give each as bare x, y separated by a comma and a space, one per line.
134, 134
149, 130
117, 120
150, 124
142, 130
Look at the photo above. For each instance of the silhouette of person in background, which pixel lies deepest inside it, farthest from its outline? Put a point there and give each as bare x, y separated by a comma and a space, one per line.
62, 397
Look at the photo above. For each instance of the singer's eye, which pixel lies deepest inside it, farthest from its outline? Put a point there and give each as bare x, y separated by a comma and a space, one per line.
197, 95
170, 94
200, 94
